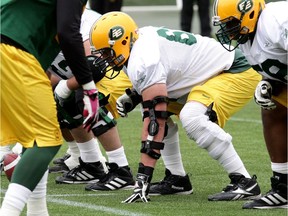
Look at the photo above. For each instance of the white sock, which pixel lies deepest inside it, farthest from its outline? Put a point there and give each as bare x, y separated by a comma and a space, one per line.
72, 162
89, 151
102, 158
10, 212
280, 167
73, 150
232, 163
171, 154
37, 204
117, 156
15, 199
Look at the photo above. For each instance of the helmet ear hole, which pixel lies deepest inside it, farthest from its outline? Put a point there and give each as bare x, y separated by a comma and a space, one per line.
251, 15
124, 42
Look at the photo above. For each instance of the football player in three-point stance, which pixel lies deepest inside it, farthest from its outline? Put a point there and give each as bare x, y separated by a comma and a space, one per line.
186, 74
261, 32
88, 168
32, 34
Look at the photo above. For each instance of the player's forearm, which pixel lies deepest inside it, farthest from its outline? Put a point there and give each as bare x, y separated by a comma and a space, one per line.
70, 39
72, 83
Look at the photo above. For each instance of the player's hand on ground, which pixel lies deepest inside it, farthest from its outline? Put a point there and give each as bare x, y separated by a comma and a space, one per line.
127, 102
91, 105
263, 95
141, 190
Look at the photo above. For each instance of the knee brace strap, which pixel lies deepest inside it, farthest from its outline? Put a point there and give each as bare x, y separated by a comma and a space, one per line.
158, 114
152, 103
153, 114
148, 146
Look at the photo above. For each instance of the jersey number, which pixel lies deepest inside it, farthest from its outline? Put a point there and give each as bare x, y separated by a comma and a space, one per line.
61, 69
177, 36
273, 68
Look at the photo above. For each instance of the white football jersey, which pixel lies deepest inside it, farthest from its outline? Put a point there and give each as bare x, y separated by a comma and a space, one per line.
59, 66
179, 59
268, 52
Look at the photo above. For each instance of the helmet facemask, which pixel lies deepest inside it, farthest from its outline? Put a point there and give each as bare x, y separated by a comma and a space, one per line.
97, 66
109, 62
230, 30
108, 54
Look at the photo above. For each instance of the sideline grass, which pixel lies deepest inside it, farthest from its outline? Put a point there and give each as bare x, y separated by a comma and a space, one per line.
206, 175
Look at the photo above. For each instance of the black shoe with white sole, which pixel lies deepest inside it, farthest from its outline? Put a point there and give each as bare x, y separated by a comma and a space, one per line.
83, 173
171, 184
59, 168
275, 198
117, 178
240, 188
61, 159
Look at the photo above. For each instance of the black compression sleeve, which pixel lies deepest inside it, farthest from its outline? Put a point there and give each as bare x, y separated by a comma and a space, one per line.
69, 14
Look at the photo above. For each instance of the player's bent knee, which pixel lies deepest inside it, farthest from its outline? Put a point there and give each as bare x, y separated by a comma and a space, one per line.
205, 133
105, 123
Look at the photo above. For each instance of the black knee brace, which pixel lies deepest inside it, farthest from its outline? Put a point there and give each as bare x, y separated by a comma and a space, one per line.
153, 127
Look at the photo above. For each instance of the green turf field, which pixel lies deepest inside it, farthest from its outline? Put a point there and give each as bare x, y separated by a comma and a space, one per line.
206, 175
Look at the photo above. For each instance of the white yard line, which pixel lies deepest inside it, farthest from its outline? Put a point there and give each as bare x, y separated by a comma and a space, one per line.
245, 120
116, 211
79, 195
103, 209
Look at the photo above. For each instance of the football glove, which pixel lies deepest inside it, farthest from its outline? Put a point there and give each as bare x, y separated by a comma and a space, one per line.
127, 102
62, 92
141, 190
263, 95
142, 186
91, 105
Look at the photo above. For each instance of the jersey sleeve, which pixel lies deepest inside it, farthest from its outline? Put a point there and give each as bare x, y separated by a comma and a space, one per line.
87, 20
274, 23
283, 32
146, 69
69, 14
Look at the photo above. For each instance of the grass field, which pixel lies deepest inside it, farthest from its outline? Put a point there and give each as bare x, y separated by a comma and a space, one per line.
206, 175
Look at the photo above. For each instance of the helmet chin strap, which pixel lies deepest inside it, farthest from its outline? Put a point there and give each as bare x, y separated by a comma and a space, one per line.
243, 39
